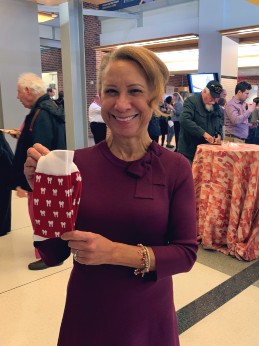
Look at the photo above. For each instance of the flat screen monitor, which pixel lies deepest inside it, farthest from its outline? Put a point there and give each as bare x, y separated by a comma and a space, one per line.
198, 81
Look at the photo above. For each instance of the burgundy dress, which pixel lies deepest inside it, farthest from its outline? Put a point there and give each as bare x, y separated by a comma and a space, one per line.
149, 201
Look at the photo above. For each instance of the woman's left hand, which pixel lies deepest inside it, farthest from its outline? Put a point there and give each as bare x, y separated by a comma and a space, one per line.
90, 248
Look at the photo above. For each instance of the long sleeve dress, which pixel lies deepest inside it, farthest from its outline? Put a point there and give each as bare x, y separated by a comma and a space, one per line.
149, 201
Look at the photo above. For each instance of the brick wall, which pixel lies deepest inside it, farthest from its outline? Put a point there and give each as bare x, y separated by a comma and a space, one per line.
51, 61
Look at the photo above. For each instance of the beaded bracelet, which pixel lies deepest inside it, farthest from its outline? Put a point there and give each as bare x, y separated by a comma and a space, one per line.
145, 259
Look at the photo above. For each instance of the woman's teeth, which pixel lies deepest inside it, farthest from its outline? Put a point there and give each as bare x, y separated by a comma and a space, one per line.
125, 119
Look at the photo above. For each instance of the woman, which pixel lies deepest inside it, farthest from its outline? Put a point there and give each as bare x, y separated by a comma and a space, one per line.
178, 107
134, 192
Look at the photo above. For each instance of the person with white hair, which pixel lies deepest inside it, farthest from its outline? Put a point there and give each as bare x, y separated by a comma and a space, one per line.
200, 120
45, 124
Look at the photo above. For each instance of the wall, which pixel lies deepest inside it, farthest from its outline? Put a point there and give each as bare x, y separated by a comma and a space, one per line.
188, 12
19, 53
51, 61
177, 20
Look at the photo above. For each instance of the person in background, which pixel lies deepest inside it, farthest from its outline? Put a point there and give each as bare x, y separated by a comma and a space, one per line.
223, 94
51, 92
170, 123
6, 164
253, 135
44, 124
237, 113
154, 128
97, 125
168, 127
60, 100
177, 109
136, 223
222, 104
163, 121
200, 120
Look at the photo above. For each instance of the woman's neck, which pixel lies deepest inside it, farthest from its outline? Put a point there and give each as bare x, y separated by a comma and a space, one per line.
128, 150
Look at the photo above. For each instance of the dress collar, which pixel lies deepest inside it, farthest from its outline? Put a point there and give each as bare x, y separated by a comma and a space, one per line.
148, 171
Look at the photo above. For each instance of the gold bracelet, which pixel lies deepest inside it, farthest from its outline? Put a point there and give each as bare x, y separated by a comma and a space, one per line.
145, 259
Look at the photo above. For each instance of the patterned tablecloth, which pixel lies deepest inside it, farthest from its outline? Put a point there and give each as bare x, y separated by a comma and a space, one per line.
226, 179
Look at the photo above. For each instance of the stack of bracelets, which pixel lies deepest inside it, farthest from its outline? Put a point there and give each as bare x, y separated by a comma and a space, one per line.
145, 259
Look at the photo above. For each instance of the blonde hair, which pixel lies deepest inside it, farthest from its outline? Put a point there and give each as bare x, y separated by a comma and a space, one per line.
155, 70
32, 81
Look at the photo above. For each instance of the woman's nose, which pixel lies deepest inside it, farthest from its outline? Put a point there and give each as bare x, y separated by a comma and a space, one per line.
122, 102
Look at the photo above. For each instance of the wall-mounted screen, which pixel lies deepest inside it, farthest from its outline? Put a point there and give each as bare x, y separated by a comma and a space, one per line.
198, 81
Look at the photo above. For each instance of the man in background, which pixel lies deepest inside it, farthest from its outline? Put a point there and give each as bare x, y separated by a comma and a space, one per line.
97, 125
45, 124
51, 92
200, 120
223, 94
60, 100
237, 113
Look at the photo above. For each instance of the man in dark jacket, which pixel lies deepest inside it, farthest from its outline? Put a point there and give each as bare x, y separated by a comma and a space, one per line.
200, 120
45, 124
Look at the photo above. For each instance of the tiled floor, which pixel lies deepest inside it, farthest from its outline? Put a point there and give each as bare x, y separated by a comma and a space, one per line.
217, 302
208, 313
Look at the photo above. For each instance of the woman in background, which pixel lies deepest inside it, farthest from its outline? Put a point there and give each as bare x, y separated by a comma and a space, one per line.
178, 107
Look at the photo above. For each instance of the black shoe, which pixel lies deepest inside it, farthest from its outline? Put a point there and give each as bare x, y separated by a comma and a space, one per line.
39, 265
170, 146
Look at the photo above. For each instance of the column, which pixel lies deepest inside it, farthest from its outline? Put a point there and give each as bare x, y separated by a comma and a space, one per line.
73, 66
20, 52
217, 53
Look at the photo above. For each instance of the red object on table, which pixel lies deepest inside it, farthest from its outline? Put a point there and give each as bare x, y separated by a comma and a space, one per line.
226, 179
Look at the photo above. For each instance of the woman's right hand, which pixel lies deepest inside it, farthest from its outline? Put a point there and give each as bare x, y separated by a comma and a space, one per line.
33, 155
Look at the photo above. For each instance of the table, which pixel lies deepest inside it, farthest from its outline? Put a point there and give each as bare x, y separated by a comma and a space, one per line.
226, 180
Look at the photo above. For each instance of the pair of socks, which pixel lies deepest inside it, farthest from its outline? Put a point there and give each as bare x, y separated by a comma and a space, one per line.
56, 195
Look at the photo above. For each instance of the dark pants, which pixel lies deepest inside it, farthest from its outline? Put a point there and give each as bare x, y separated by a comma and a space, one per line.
176, 132
5, 211
99, 131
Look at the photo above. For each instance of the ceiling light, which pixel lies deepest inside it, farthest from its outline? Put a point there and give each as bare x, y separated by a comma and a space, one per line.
45, 16
240, 31
161, 41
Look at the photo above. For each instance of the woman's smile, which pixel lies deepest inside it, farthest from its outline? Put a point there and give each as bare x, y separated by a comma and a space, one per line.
124, 119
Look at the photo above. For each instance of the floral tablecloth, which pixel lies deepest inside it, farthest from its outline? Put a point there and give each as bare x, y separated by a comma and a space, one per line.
226, 179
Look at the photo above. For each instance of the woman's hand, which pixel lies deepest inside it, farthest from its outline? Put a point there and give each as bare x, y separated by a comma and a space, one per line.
33, 155
93, 249
90, 248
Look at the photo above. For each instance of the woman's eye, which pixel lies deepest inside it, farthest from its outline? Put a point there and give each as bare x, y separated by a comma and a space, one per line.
110, 91
135, 91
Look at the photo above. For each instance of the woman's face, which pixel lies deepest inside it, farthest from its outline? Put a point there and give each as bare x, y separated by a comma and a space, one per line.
125, 99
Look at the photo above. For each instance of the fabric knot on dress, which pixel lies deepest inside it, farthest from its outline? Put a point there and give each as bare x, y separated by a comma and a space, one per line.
149, 171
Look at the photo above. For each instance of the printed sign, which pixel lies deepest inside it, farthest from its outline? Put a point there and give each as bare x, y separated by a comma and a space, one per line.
119, 4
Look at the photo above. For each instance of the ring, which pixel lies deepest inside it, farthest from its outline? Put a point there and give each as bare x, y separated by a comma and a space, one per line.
75, 255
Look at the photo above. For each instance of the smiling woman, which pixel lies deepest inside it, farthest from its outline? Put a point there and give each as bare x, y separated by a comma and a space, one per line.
130, 236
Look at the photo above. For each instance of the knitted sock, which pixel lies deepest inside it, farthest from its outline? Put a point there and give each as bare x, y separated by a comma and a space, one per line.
56, 195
